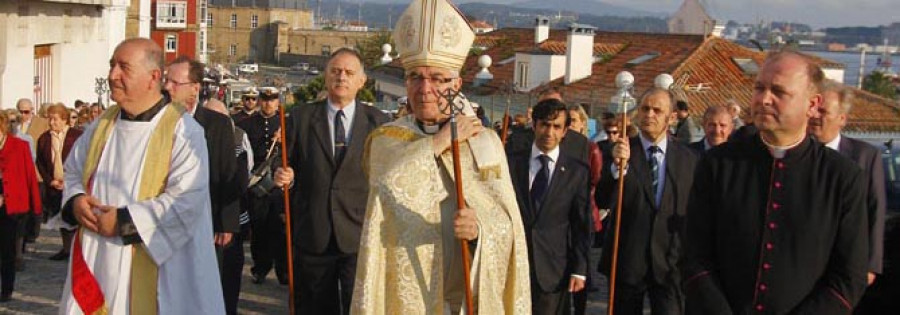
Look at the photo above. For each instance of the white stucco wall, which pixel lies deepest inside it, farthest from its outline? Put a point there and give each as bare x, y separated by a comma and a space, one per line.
82, 39
834, 74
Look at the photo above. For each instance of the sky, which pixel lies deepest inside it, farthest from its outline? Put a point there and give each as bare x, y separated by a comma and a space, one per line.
816, 13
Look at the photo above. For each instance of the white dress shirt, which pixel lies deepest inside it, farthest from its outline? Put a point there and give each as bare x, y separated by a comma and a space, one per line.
534, 164
833, 144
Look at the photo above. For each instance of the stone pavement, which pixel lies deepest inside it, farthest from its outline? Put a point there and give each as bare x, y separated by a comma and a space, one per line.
39, 286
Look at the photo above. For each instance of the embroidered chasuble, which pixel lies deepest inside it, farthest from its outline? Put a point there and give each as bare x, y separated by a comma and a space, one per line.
158, 171
410, 261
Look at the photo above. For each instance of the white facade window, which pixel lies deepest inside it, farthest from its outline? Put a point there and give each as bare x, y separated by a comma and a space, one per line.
232, 50
522, 78
209, 20
171, 43
233, 20
171, 14
254, 21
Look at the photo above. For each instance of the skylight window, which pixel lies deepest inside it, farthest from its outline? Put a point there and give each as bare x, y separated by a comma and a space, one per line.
747, 65
642, 59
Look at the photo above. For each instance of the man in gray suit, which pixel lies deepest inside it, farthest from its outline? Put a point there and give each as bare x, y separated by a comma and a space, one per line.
826, 127
325, 146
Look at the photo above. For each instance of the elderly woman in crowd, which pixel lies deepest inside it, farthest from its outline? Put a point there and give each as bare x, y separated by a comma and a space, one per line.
52, 149
16, 200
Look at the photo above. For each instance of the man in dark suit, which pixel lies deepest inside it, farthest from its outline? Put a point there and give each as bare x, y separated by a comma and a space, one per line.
326, 142
552, 193
658, 178
826, 127
183, 82
717, 126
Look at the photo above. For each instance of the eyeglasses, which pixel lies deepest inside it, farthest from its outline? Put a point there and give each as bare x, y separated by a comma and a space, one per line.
249, 98
612, 132
25, 111
175, 83
418, 80
73, 117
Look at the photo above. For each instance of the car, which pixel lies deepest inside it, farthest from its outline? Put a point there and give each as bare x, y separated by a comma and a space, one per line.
313, 71
300, 66
248, 67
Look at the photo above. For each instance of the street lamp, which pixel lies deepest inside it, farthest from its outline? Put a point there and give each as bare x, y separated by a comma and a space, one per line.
101, 86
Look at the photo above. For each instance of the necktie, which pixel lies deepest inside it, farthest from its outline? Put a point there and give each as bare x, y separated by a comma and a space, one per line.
340, 138
539, 186
654, 168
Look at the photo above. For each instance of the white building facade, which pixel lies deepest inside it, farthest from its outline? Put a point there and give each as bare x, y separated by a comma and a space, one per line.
53, 50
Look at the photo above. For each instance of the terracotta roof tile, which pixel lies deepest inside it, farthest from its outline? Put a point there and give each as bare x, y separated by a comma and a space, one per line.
707, 61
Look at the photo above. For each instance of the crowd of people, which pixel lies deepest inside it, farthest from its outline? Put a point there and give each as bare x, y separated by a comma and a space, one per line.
154, 197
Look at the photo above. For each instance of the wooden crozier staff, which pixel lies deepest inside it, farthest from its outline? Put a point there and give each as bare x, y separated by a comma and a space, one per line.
287, 212
624, 81
453, 110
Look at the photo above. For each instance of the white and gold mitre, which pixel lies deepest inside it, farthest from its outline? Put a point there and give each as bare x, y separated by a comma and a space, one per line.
433, 33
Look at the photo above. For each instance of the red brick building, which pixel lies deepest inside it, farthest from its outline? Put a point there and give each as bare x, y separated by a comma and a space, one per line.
175, 26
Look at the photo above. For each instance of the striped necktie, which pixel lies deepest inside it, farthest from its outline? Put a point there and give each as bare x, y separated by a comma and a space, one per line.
654, 168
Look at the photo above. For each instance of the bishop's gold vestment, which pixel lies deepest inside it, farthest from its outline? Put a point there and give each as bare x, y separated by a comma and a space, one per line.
404, 265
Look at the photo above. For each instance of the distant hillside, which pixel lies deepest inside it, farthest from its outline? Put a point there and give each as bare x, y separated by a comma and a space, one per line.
591, 7
383, 15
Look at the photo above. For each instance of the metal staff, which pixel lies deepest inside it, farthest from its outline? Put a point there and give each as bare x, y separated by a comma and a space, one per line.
453, 109
287, 214
505, 127
624, 80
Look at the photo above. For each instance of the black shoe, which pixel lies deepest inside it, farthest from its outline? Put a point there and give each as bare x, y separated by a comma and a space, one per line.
258, 278
283, 279
59, 256
5, 297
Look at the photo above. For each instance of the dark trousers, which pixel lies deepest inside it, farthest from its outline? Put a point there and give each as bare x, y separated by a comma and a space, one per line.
231, 265
664, 299
267, 240
325, 281
550, 303
9, 227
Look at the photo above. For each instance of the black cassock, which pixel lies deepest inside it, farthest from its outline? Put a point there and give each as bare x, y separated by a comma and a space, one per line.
775, 236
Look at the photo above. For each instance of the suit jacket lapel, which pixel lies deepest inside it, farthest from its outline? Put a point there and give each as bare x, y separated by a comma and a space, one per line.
673, 157
520, 173
845, 147
358, 129
320, 129
640, 168
559, 175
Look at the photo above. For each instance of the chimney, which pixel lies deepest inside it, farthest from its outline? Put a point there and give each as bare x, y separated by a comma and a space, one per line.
541, 29
718, 28
579, 52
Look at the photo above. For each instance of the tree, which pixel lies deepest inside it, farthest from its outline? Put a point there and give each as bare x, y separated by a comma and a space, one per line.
878, 83
370, 48
309, 93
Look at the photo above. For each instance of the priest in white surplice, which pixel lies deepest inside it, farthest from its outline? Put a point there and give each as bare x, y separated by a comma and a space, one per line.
137, 183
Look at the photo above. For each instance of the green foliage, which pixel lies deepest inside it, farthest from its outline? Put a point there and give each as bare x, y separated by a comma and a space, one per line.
370, 48
880, 84
308, 93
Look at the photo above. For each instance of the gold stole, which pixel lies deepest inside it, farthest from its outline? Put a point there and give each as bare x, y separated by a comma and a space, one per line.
144, 272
